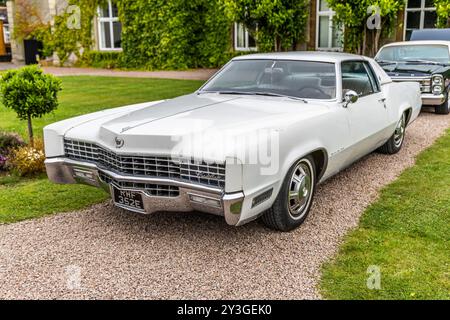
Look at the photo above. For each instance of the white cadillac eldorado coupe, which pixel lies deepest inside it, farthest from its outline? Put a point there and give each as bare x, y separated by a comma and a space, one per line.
254, 141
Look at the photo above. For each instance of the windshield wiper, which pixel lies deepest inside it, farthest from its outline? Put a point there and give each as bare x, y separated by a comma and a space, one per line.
387, 62
425, 61
250, 93
270, 94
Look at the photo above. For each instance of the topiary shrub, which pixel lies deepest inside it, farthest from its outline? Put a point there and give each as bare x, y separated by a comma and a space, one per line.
30, 93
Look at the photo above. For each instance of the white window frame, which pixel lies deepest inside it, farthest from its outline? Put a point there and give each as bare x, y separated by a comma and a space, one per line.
330, 14
422, 11
110, 20
246, 40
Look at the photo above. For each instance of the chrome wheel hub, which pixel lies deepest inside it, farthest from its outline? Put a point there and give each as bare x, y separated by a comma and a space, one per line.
400, 132
300, 189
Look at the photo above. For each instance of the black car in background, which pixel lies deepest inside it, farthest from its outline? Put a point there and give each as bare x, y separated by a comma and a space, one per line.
425, 60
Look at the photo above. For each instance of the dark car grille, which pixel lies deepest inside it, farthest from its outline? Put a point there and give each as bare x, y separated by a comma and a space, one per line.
155, 190
200, 172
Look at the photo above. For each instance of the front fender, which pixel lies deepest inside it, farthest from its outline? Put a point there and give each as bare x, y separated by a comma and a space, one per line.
258, 180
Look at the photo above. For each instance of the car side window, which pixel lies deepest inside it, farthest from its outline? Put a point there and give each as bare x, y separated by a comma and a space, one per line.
355, 76
373, 77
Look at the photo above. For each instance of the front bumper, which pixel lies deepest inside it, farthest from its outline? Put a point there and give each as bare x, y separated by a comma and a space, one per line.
433, 99
67, 171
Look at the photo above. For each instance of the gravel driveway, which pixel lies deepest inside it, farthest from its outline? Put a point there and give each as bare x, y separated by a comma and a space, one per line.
104, 252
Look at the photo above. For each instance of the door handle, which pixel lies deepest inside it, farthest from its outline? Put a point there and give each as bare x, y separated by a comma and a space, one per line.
383, 101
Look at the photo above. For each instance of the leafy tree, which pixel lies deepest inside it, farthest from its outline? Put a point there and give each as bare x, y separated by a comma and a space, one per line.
71, 32
353, 16
276, 24
28, 19
30, 93
443, 12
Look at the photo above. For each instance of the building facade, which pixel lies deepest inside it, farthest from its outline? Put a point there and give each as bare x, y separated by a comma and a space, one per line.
321, 33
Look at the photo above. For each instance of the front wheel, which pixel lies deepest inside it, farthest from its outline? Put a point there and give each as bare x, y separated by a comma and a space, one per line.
294, 200
395, 143
444, 108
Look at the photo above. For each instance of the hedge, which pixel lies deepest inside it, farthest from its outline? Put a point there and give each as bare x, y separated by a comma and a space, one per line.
176, 34
102, 59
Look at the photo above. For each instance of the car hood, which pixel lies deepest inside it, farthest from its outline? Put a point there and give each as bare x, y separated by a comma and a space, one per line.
206, 121
412, 70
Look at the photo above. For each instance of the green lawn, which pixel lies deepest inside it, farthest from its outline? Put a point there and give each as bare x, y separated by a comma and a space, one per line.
34, 197
85, 94
406, 233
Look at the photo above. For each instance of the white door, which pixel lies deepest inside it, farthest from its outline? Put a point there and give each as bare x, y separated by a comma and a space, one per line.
368, 117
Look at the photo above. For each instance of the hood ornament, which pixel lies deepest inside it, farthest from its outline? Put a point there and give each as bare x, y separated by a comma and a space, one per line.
119, 142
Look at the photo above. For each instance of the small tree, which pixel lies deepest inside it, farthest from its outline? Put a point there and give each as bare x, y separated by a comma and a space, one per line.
30, 93
353, 16
278, 25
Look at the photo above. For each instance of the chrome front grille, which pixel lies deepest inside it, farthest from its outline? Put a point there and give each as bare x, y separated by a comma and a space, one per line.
200, 172
425, 82
155, 190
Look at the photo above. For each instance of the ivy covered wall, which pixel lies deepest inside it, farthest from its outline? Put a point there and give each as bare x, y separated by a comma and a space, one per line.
176, 34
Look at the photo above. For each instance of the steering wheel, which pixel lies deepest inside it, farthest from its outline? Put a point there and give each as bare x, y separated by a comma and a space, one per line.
319, 91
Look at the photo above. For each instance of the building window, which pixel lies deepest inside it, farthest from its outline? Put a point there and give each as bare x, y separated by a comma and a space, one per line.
329, 37
109, 26
243, 40
420, 14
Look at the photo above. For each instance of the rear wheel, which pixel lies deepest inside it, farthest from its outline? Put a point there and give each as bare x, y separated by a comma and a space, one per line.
294, 200
395, 143
444, 108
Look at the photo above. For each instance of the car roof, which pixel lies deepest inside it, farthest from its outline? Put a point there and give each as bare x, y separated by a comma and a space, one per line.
421, 42
319, 56
431, 34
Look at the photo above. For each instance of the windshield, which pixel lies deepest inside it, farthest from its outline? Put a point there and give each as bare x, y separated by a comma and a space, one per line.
299, 79
415, 53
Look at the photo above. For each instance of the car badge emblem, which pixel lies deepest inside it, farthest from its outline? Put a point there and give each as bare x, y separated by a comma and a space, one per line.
119, 142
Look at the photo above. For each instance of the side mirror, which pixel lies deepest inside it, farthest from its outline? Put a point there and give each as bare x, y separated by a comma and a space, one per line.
350, 96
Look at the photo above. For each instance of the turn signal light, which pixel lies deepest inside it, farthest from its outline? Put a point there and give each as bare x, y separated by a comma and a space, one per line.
210, 202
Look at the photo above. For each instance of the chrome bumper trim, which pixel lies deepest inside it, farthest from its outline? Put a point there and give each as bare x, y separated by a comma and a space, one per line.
432, 99
62, 170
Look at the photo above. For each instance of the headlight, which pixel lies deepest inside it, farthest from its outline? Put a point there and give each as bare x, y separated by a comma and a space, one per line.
438, 84
437, 80
437, 89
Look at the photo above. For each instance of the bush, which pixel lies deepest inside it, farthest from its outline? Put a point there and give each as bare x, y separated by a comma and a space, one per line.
176, 34
27, 160
30, 93
104, 60
3, 160
10, 141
